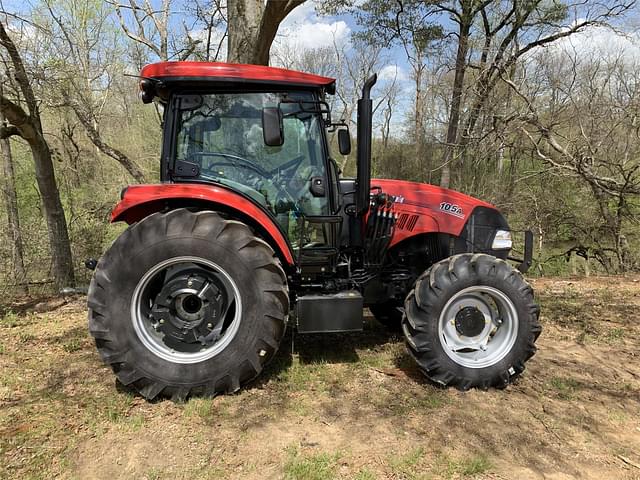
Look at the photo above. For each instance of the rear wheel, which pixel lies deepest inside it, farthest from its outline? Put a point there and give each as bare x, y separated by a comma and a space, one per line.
187, 303
471, 321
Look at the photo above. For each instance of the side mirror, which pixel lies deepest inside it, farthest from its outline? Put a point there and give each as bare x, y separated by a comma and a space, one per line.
344, 141
272, 130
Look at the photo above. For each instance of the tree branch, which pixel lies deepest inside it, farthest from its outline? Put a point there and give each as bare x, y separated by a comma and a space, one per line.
20, 73
8, 131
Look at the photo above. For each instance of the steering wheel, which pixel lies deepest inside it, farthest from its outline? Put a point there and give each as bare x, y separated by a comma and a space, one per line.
267, 175
243, 162
290, 164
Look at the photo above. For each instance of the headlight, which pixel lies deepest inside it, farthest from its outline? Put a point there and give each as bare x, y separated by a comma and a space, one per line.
502, 240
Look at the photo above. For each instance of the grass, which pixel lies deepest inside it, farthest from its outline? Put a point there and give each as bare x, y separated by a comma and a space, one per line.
415, 465
73, 345
10, 320
365, 474
406, 465
564, 387
209, 410
615, 335
318, 466
474, 465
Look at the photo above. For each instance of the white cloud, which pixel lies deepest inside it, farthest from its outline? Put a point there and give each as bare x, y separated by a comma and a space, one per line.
393, 72
314, 34
303, 29
598, 43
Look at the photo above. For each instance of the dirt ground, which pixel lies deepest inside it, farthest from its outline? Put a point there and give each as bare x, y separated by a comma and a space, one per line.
338, 406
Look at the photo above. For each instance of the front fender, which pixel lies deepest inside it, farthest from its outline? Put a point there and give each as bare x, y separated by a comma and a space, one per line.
140, 201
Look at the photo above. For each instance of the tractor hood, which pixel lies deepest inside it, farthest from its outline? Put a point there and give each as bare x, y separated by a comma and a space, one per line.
424, 208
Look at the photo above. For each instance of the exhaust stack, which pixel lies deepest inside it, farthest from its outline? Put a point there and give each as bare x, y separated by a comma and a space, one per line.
365, 114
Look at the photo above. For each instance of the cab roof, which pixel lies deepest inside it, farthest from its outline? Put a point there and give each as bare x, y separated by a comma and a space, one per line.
229, 73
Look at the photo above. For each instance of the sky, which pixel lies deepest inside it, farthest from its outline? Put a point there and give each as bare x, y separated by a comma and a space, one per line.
303, 28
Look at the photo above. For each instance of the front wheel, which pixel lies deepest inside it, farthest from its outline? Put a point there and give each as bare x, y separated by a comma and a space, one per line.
471, 321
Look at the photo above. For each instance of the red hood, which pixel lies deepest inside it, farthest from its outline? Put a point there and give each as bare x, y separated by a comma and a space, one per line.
424, 208
426, 195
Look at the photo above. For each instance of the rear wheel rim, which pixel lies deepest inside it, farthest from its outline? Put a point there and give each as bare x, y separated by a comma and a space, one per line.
478, 326
190, 297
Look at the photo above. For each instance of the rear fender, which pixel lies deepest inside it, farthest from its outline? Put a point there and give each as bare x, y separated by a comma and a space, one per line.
140, 201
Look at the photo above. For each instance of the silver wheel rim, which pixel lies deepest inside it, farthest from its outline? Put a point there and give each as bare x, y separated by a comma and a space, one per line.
497, 337
146, 327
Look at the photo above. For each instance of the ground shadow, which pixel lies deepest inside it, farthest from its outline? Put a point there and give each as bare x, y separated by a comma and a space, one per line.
332, 348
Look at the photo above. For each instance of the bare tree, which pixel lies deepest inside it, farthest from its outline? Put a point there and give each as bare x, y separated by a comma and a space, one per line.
509, 31
28, 125
146, 25
11, 201
406, 23
584, 126
79, 34
212, 16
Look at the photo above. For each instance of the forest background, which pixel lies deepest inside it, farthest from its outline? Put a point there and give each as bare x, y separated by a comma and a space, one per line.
532, 105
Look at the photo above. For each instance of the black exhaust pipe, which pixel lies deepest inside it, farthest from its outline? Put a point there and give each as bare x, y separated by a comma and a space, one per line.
365, 114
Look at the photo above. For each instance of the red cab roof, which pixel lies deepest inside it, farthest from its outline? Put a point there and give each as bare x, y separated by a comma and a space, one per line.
235, 72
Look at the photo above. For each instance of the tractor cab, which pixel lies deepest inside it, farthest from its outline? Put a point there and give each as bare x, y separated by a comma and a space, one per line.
262, 132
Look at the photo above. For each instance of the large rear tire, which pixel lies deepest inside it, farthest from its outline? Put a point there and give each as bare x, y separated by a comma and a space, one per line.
187, 303
471, 321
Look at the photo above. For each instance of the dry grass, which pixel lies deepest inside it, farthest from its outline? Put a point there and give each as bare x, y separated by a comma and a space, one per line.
339, 406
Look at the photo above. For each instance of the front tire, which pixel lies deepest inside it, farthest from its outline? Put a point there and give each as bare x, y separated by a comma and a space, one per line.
187, 303
471, 321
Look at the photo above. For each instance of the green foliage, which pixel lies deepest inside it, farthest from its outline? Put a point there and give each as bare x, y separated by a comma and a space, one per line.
565, 387
390, 23
320, 466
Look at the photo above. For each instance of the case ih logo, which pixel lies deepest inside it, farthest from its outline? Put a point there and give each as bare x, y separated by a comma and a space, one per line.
452, 209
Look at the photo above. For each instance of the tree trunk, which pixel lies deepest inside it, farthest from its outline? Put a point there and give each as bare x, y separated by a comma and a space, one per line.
456, 100
13, 219
252, 27
54, 214
29, 127
244, 18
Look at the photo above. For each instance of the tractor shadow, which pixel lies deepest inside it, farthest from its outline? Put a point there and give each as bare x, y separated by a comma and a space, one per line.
326, 348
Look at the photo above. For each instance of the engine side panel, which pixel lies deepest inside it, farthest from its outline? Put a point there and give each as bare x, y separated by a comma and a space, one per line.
424, 208
139, 201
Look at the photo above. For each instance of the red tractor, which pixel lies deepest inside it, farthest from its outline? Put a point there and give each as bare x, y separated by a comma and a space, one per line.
252, 228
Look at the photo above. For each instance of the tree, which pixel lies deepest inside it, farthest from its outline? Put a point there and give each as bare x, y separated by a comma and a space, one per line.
87, 53
509, 31
405, 23
11, 202
252, 27
28, 125
584, 126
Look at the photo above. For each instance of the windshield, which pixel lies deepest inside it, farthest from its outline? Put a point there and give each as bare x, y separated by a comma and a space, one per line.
223, 135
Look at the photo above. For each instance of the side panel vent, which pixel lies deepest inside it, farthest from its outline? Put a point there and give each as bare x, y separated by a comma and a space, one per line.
412, 222
402, 219
407, 222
